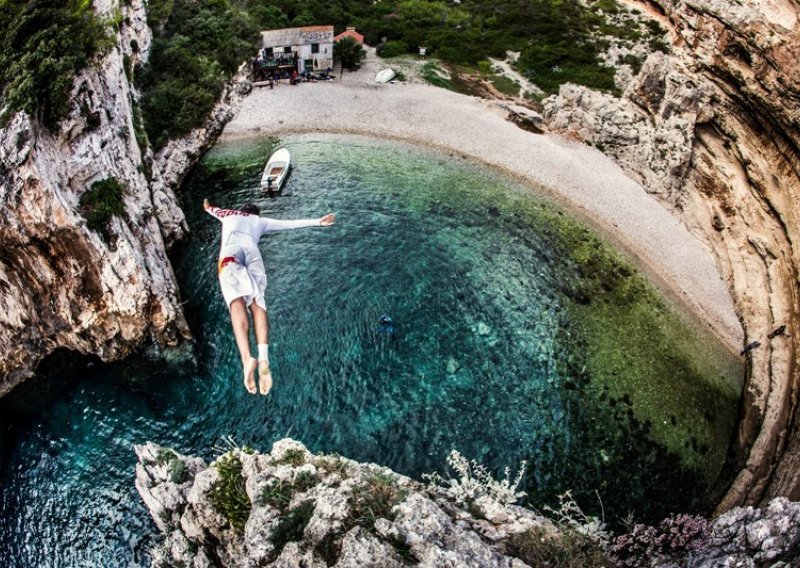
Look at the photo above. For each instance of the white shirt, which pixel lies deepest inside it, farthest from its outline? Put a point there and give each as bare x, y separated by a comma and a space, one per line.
244, 229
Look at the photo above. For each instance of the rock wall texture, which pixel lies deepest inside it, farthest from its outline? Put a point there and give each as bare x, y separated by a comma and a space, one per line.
296, 509
61, 284
712, 130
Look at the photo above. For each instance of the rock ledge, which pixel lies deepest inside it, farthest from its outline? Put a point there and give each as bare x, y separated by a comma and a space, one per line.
291, 508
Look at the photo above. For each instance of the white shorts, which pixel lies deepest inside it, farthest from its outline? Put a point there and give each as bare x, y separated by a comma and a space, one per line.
242, 275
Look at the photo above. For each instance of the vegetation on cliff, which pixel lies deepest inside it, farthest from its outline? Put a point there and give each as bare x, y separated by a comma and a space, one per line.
197, 47
103, 201
228, 495
43, 45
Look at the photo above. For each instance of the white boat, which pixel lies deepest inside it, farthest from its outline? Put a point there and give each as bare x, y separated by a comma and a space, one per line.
384, 76
276, 171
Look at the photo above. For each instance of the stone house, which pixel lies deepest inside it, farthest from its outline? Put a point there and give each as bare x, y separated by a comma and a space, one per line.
309, 48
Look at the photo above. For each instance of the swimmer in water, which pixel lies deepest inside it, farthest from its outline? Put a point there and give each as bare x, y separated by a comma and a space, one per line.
386, 325
244, 282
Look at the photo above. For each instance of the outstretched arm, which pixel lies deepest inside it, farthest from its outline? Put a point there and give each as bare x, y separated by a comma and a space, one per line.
269, 225
215, 211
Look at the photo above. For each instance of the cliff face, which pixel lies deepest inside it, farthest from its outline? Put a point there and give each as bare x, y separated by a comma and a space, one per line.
61, 283
712, 130
290, 508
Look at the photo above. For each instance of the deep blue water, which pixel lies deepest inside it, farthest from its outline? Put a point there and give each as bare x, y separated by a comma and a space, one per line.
470, 273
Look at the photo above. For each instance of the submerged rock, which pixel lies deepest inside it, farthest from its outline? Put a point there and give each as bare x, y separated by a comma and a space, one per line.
711, 129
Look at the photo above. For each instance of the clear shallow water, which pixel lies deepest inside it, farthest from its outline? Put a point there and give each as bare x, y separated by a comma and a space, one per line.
496, 353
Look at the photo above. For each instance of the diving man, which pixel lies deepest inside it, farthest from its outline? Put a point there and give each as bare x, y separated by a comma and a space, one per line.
244, 282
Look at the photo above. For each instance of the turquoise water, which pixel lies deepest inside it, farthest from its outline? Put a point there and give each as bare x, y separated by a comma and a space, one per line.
488, 356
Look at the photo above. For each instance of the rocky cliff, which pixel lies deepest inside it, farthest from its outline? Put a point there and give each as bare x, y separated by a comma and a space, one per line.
62, 284
712, 130
290, 508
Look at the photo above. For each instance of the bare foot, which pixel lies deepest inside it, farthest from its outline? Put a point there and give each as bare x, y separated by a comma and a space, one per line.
264, 377
249, 378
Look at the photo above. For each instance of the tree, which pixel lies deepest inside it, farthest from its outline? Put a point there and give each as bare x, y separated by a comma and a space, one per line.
350, 52
43, 45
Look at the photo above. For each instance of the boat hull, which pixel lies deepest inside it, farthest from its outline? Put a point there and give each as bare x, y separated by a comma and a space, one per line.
276, 170
385, 76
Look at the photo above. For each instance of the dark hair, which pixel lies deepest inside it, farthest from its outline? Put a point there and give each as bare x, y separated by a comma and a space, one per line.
250, 209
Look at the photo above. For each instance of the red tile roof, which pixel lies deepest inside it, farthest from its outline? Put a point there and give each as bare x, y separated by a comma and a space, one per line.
350, 33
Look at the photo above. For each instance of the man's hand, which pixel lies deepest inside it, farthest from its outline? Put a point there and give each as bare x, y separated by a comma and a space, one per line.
206, 204
328, 220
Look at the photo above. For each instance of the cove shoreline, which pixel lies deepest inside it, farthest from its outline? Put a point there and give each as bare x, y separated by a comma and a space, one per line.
576, 177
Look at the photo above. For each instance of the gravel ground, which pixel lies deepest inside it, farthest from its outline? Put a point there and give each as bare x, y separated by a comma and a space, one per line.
575, 175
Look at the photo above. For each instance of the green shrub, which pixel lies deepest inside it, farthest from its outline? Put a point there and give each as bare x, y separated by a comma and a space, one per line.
565, 549
506, 85
304, 481
127, 65
176, 467
228, 495
291, 526
392, 48
45, 43
138, 128
197, 46
350, 52
431, 73
279, 494
332, 463
292, 456
634, 62
372, 499
100, 203
329, 548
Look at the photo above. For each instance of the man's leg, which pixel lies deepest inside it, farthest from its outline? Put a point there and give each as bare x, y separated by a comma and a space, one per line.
241, 330
261, 323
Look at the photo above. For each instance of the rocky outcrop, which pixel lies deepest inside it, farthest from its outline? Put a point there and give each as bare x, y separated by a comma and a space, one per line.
359, 514
63, 285
712, 130
748, 536
291, 508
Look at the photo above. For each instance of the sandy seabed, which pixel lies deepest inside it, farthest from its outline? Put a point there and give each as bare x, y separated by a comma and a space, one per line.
576, 176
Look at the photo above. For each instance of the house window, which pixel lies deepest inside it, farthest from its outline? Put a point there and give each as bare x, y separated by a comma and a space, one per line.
314, 48
287, 49
268, 52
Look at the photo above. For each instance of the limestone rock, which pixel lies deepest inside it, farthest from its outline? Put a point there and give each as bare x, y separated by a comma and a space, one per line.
649, 131
417, 529
304, 513
61, 284
163, 479
757, 536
